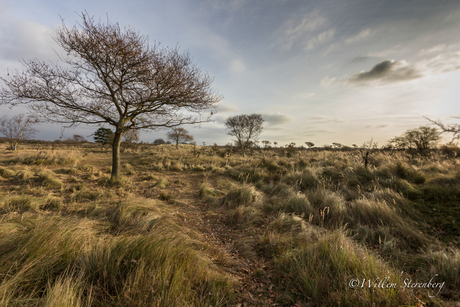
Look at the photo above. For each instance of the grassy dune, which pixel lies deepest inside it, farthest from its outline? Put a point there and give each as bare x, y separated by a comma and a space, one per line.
302, 228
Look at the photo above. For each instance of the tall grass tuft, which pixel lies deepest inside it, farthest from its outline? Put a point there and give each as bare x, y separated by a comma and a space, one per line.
241, 195
61, 157
321, 273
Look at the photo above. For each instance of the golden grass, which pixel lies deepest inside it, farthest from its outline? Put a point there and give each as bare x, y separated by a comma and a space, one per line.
166, 233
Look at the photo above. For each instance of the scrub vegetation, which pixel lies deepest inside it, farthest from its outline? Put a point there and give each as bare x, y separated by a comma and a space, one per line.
278, 227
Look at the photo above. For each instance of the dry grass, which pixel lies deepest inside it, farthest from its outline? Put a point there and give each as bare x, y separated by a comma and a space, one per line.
177, 228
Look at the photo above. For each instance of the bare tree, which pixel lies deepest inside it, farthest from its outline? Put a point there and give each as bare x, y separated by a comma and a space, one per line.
17, 128
131, 136
246, 129
78, 138
452, 128
179, 135
113, 76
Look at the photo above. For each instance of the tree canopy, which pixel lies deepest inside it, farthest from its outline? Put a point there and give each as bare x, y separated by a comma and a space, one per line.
113, 76
17, 128
179, 135
103, 136
419, 139
246, 129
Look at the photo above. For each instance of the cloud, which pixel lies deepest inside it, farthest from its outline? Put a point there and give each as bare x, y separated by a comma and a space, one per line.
320, 39
444, 62
26, 40
386, 71
295, 29
327, 81
360, 36
386, 52
390, 71
304, 96
323, 119
237, 66
227, 108
224, 6
361, 59
433, 49
277, 119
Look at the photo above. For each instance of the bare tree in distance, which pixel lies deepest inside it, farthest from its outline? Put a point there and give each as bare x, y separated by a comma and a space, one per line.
17, 128
246, 129
78, 138
179, 135
266, 144
113, 76
131, 136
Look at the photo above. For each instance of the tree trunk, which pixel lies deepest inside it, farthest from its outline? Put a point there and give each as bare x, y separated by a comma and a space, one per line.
177, 144
116, 155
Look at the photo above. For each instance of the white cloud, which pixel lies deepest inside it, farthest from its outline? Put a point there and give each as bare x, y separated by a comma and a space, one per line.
320, 39
218, 47
295, 29
304, 96
386, 52
444, 62
360, 36
327, 81
237, 66
433, 49
26, 40
225, 6
227, 108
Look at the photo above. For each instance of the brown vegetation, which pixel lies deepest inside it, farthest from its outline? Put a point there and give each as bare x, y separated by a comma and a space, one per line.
183, 230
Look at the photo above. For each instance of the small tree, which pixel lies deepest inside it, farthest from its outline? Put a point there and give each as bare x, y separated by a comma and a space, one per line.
17, 128
266, 144
309, 144
337, 145
103, 136
115, 77
179, 135
159, 142
419, 139
246, 129
78, 138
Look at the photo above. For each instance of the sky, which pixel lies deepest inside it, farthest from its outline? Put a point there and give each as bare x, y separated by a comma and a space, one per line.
324, 71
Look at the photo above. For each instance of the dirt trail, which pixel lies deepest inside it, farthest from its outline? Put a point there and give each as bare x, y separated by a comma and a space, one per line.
212, 222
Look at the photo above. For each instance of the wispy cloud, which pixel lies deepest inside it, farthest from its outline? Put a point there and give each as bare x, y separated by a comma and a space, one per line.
304, 96
227, 108
323, 119
299, 27
364, 34
26, 40
327, 81
319, 39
